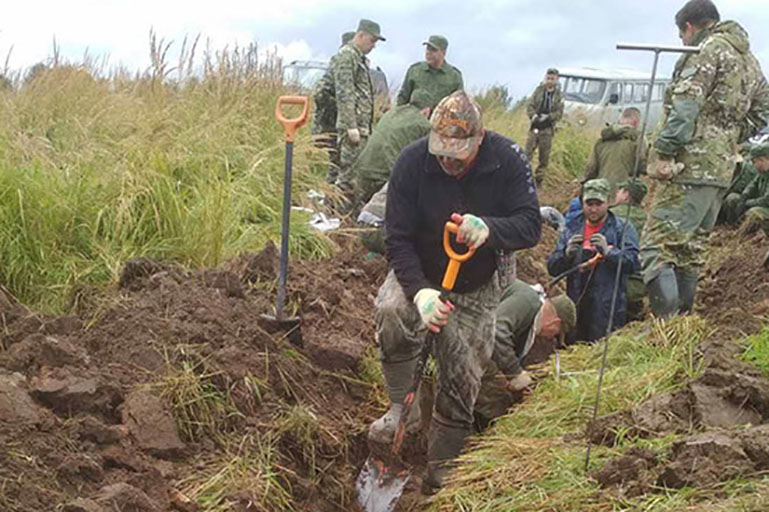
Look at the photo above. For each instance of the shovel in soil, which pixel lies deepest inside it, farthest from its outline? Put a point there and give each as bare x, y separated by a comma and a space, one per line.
280, 322
383, 476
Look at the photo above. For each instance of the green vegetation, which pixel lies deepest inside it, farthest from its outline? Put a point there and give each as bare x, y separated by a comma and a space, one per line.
100, 167
757, 350
533, 459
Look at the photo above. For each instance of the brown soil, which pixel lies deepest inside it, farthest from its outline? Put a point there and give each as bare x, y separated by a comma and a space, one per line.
86, 410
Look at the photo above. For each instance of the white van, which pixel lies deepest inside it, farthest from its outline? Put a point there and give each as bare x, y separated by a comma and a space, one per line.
596, 97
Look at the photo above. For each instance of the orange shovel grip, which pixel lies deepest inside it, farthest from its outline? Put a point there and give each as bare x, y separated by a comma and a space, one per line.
455, 260
291, 126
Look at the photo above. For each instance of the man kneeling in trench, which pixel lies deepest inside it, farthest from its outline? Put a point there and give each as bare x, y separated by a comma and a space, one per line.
525, 317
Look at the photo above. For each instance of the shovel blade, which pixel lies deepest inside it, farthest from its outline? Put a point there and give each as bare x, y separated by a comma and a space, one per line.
379, 486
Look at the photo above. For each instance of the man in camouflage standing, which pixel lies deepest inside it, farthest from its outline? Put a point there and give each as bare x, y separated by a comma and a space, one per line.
545, 109
717, 98
324, 116
354, 101
434, 74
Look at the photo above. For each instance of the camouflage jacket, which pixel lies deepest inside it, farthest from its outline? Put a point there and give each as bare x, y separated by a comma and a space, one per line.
613, 156
439, 82
717, 97
537, 98
757, 192
353, 89
324, 116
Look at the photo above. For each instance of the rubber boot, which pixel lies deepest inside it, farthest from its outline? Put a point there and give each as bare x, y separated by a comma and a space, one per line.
687, 289
663, 294
399, 377
444, 445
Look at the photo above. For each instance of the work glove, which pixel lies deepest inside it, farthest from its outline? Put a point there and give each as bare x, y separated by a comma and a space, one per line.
434, 312
473, 232
599, 242
574, 245
353, 135
750, 203
665, 169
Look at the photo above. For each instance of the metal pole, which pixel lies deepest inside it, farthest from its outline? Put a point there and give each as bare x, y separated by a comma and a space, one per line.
284, 233
657, 49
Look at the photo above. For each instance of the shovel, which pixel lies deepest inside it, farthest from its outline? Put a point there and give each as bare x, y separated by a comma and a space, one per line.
383, 477
280, 322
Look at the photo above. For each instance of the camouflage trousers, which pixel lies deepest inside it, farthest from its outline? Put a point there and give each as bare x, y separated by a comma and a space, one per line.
542, 139
681, 219
348, 153
462, 351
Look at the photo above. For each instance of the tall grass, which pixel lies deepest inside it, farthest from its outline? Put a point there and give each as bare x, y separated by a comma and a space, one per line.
181, 163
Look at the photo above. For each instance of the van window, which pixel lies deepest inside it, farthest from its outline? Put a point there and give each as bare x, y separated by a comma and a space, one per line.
640, 93
659, 92
628, 93
583, 90
615, 88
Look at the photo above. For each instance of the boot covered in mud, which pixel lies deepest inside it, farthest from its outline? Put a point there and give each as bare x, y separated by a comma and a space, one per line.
687, 290
444, 444
399, 377
663, 294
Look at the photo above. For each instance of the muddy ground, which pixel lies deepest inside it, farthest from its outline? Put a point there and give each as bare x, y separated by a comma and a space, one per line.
128, 404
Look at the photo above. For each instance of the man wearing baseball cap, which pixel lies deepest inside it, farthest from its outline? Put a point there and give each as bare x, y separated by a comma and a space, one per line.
480, 180
596, 230
434, 74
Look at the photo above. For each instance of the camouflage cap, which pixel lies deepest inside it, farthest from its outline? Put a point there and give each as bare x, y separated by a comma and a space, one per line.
566, 311
759, 150
596, 189
437, 42
457, 126
422, 98
636, 188
370, 27
347, 37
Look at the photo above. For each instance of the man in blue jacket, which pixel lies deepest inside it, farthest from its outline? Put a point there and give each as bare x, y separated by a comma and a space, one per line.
481, 181
596, 230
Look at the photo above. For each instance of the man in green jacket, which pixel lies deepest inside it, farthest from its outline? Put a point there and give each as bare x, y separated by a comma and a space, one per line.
525, 317
545, 109
354, 101
717, 98
630, 194
614, 154
433, 74
753, 202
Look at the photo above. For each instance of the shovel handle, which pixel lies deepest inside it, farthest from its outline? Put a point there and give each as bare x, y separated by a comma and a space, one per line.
291, 126
455, 259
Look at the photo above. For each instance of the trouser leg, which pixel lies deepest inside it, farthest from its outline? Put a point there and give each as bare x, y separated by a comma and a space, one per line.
463, 352
545, 146
531, 144
348, 154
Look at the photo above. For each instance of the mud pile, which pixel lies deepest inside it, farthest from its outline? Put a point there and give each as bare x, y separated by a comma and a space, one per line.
123, 409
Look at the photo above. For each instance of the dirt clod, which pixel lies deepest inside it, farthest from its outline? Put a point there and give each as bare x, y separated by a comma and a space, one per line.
16, 406
68, 394
151, 425
40, 350
81, 505
126, 498
631, 472
78, 467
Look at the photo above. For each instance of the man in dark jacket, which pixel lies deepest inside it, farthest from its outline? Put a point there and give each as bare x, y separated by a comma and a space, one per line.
596, 230
481, 181
614, 154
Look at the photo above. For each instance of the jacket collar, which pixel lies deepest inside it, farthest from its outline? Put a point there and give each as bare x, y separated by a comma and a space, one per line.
487, 160
577, 223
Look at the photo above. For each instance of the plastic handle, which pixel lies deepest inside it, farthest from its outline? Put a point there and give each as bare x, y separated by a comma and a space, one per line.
291, 126
455, 260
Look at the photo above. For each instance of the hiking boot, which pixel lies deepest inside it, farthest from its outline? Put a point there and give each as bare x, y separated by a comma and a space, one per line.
520, 382
383, 430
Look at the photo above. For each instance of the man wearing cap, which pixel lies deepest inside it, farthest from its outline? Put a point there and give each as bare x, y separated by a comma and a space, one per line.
434, 74
354, 101
480, 180
324, 115
630, 194
596, 230
525, 317
753, 202
614, 154
717, 98
545, 109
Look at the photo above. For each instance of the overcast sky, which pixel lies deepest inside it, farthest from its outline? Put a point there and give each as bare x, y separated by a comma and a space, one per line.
508, 42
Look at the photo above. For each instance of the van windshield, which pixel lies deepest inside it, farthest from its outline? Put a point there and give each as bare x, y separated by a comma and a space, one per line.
303, 75
583, 90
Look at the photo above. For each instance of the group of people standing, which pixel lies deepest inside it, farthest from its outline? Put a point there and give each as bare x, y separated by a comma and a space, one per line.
431, 160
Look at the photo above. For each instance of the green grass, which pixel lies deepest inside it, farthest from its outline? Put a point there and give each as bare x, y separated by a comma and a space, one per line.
95, 170
757, 350
529, 460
